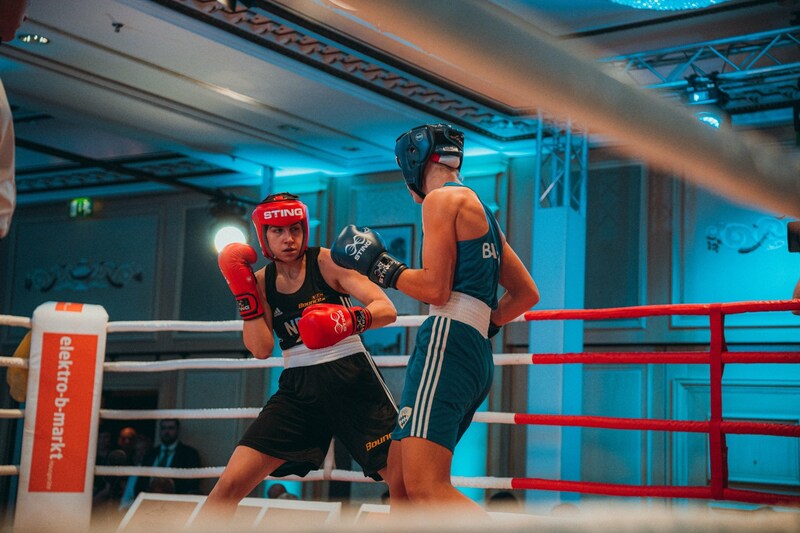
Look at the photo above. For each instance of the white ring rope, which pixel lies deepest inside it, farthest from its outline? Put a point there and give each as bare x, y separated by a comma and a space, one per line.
493, 417
174, 325
501, 359
486, 482
189, 325
193, 414
191, 364
159, 471
242, 412
329, 462
327, 473
403, 321
15, 362
9, 470
225, 325
16, 321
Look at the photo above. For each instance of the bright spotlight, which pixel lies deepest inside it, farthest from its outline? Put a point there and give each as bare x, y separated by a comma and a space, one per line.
707, 117
229, 222
228, 234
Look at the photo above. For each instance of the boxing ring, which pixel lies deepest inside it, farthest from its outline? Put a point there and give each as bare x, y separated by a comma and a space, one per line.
716, 428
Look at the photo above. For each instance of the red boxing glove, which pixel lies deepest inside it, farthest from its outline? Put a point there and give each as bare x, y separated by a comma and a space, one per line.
234, 262
324, 325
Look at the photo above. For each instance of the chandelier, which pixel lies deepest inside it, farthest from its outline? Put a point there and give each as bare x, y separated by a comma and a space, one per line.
668, 5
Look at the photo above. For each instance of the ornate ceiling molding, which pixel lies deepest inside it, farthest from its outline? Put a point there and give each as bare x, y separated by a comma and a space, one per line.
273, 27
749, 83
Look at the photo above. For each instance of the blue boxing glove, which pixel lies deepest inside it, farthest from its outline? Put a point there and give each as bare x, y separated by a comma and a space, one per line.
364, 251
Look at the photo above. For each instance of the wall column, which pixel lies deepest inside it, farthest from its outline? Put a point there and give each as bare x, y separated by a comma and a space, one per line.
558, 259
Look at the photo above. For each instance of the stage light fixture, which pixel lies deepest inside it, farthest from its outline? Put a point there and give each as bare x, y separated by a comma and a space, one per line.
701, 90
704, 90
33, 38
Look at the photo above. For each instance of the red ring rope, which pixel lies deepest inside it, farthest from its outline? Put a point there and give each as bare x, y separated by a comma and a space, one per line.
716, 428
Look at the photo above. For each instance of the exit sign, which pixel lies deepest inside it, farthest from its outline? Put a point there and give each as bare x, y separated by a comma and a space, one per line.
81, 207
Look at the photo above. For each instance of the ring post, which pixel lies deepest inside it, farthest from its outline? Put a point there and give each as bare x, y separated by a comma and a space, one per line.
59, 441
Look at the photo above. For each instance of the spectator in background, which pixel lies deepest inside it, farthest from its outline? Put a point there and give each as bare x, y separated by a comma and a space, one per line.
793, 242
103, 445
12, 13
278, 492
172, 453
161, 485
126, 441
796, 295
566, 509
504, 501
141, 445
101, 457
108, 490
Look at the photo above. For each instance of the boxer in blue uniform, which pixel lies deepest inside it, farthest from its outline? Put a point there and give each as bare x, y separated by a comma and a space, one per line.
329, 386
465, 257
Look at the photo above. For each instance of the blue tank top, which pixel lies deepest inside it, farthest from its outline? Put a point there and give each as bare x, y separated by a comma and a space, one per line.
478, 261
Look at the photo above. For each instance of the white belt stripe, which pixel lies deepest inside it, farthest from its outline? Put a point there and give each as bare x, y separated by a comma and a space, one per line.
439, 364
383, 383
417, 407
430, 376
347, 303
419, 402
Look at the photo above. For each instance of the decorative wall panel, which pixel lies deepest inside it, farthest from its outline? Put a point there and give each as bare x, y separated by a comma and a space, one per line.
725, 253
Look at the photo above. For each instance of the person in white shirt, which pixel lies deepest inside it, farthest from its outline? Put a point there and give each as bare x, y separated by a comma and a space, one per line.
12, 13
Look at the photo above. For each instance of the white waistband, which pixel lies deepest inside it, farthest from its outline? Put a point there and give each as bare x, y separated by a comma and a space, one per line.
300, 355
466, 309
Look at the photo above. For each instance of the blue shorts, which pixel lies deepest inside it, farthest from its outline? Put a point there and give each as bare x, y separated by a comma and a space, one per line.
448, 377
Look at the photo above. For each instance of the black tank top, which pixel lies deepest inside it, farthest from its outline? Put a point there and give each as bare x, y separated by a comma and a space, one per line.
287, 308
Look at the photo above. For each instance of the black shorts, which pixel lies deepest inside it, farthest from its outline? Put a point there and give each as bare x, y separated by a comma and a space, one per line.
346, 398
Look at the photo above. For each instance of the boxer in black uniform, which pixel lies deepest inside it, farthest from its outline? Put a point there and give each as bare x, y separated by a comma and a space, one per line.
330, 386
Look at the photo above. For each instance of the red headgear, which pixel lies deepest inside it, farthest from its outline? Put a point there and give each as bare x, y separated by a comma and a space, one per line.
281, 209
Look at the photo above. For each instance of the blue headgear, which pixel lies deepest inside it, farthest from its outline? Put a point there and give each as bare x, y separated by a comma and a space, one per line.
440, 143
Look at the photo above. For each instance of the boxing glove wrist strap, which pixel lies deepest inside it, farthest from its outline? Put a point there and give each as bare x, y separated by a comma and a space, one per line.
249, 306
362, 319
386, 270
